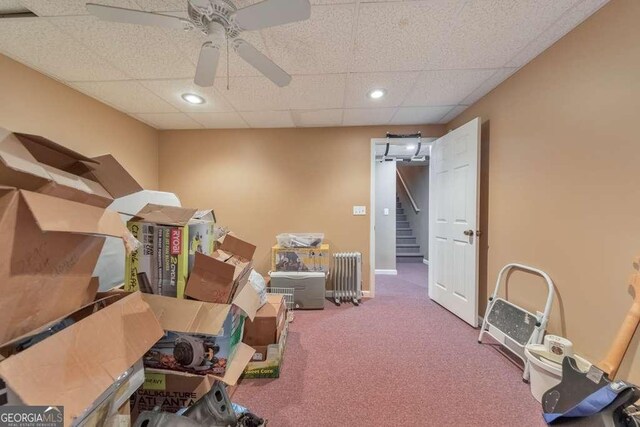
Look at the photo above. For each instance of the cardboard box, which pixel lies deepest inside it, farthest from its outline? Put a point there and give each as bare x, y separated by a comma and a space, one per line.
200, 338
53, 245
75, 367
271, 364
122, 418
216, 278
267, 325
111, 175
34, 163
171, 237
171, 391
300, 259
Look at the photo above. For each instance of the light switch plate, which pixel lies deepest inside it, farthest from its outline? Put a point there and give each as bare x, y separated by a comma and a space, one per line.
359, 210
386, 211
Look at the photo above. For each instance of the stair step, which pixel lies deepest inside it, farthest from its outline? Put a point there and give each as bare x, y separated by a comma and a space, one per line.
401, 232
408, 245
399, 211
398, 205
409, 257
411, 249
403, 224
401, 217
405, 240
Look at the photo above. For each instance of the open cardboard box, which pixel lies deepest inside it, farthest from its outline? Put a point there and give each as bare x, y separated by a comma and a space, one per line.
171, 391
46, 270
267, 326
202, 338
34, 163
216, 278
271, 365
171, 237
88, 366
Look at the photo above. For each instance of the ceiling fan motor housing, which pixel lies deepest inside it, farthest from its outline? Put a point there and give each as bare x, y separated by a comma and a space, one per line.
204, 13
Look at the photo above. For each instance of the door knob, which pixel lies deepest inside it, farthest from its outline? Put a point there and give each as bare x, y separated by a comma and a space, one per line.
468, 232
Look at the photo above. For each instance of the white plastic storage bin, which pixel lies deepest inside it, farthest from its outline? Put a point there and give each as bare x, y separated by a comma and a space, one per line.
545, 373
300, 240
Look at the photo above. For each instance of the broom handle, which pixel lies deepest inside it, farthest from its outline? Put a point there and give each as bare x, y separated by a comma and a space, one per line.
614, 357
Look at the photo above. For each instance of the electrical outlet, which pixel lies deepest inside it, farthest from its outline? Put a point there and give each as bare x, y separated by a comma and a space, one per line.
359, 210
386, 211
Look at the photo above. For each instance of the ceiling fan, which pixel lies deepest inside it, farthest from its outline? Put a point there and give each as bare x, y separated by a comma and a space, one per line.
220, 21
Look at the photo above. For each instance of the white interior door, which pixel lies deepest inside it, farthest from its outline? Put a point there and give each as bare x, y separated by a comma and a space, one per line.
453, 221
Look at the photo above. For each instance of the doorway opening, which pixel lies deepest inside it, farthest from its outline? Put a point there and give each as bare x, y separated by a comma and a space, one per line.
400, 199
446, 236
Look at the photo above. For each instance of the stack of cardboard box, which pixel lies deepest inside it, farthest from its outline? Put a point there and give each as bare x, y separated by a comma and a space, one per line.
62, 343
202, 339
61, 347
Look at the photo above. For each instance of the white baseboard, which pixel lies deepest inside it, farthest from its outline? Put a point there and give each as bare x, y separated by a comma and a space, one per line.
329, 294
425, 261
387, 272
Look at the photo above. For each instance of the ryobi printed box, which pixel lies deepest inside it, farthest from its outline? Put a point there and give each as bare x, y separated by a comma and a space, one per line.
170, 237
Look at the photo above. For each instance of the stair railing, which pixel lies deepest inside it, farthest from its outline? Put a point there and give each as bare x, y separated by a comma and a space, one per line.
406, 189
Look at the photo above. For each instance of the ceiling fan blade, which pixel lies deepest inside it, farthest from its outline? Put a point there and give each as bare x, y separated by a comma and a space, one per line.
131, 16
261, 63
207, 65
270, 13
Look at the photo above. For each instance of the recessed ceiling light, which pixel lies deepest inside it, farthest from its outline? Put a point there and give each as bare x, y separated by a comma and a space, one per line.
411, 147
192, 98
377, 93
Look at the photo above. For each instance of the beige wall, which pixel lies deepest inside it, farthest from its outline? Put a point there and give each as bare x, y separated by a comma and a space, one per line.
266, 181
34, 103
561, 168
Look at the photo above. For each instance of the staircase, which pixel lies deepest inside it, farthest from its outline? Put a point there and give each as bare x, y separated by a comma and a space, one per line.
407, 248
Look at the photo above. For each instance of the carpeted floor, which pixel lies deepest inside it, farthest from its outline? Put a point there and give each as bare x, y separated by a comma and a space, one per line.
396, 360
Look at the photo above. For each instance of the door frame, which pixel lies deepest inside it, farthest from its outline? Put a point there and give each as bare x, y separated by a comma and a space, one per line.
425, 141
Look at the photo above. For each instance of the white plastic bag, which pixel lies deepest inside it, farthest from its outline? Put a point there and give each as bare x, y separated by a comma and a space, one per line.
259, 284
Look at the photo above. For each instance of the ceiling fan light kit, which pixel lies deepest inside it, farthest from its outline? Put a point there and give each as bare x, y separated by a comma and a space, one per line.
221, 22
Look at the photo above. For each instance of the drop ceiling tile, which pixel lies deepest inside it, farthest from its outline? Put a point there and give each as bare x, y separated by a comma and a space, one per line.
169, 120
128, 96
254, 94
316, 92
319, 45
488, 33
71, 7
419, 115
488, 85
244, 3
162, 5
172, 91
142, 52
268, 119
190, 43
446, 87
219, 120
11, 6
367, 116
558, 29
44, 47
397, 86
455, 112
317, 118
403, 36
